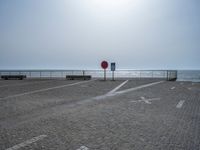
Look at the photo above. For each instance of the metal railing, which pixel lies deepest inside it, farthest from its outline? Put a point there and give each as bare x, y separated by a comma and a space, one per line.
50, 74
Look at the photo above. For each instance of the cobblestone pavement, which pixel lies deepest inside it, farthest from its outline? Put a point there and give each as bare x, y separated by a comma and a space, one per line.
80, 115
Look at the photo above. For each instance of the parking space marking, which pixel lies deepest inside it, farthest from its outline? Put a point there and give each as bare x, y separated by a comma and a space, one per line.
138, 87
147, 101
180, 104
43, 90
172, 88
189, 88
26, 143
83, 148
118, 87
100, 97
8, 85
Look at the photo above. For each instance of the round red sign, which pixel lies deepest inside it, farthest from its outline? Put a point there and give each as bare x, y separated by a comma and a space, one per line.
104, 64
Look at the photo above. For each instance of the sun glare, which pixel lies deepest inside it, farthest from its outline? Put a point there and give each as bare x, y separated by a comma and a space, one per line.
111, 6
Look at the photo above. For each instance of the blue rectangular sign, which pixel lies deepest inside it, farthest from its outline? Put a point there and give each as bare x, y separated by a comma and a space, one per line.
112, 66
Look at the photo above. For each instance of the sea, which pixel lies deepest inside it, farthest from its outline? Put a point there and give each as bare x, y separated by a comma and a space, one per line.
188, 75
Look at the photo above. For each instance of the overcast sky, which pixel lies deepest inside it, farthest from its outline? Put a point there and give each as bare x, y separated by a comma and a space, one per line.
78, 34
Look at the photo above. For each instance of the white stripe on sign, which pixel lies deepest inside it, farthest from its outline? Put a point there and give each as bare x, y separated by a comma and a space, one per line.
118, 87
180, 104
26, 143
43, 90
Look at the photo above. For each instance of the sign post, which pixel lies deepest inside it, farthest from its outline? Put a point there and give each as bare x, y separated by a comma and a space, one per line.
113, 66
104, 74
104, 65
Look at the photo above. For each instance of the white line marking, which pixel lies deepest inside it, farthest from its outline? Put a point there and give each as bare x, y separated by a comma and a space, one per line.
83, 148
189, 88
118, 87
100, 97
121, 92
28, 142
147, 101
43, 90
23, 83
180, 104
137, 88
173, 88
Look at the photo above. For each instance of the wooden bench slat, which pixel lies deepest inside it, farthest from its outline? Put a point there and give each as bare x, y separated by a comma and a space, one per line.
6, 77
73, 77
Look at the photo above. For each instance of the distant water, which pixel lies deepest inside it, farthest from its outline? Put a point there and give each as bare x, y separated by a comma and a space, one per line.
189, 75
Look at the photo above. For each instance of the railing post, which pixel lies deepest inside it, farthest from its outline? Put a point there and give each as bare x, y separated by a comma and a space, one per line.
170, 75
167, 75
50, 74
164, 74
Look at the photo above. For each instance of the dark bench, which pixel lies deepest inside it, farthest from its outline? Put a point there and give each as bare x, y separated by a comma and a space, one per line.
78, 77
6, 77
172, 79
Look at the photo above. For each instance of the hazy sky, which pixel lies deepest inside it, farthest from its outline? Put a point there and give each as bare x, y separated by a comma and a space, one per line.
78, 34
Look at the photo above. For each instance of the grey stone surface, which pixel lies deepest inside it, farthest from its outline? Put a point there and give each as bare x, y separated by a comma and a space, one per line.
72, 119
